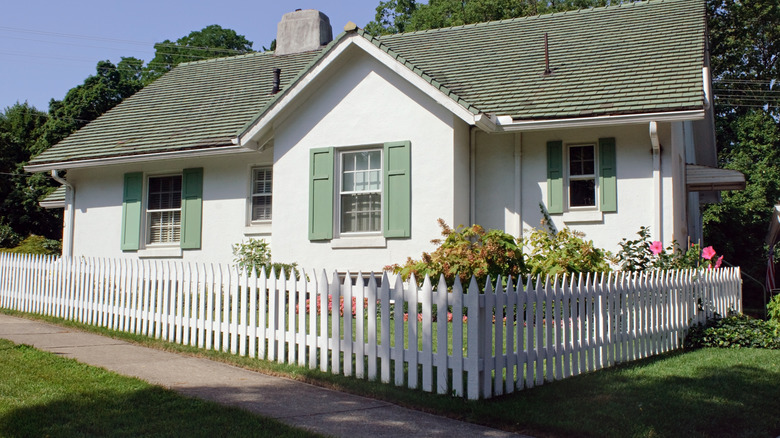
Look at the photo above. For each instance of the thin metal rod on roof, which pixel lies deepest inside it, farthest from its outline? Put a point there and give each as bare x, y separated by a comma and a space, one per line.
547, 70
277, 80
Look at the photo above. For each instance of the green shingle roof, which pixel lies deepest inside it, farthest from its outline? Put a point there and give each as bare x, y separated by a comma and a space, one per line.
634, 58
57, 196
637, 57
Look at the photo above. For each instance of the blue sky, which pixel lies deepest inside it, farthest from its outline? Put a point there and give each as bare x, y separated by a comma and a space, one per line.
48, 47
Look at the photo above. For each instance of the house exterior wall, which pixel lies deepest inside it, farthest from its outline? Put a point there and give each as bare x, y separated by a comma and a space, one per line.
361, 102
226, 184
495, 191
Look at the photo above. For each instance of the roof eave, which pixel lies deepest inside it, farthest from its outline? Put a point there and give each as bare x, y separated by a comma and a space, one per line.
508, 124
141, 158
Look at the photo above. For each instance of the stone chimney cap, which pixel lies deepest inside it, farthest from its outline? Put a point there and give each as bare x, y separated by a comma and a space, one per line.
302, 31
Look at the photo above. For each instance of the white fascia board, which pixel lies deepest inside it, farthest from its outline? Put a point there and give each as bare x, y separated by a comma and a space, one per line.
584, 122
262, 125
52, 204
222, 150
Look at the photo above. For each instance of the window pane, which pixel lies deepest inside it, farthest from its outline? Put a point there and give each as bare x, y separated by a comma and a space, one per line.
261, 208
361, 212
582, 192
262, 182
361, 161
164, 227
581, 160
164, 192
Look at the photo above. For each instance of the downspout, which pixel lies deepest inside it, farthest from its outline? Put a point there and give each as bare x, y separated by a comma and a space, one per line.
70, 212
472, 175
519, 184
656, 144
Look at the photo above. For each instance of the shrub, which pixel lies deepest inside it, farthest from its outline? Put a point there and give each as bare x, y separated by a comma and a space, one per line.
8, 237
641, 254
256, 253
552, 252
37, 245
773, 309
735, 331
466, 252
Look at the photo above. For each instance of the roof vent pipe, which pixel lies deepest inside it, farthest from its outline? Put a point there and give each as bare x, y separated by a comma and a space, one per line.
277, 80
547, 70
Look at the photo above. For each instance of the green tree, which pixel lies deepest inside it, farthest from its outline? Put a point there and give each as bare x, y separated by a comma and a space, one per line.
744, 44
395, 16
20, 214
210, 42
83, 103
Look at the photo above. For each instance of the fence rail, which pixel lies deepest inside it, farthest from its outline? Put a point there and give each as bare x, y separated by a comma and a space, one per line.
468, 341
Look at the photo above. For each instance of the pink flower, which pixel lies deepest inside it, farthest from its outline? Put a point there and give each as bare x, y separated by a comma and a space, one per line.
708, 253
718, 263
656, 247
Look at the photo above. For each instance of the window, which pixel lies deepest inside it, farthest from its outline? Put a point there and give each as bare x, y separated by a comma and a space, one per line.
575, 183
360, 191
582, 176
360, 196
262, 180
171, 206
163, 209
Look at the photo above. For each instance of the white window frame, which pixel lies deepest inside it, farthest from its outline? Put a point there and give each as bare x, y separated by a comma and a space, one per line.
252, 194
594, 176
340, 153
148, 212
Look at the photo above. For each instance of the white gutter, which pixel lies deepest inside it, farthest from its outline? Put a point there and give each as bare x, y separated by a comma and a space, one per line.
69, 213
657, 231
220, 150
507, 124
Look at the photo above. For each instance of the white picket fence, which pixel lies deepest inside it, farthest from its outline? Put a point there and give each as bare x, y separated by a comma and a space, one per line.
473, 342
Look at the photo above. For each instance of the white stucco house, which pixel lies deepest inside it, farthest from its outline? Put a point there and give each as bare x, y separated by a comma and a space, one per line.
343, 153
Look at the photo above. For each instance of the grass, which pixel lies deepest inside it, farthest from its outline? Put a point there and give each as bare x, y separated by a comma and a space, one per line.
42, 394
704, 393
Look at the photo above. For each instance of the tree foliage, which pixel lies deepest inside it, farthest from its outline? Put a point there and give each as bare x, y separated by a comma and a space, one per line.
20, 215
745, 44
395, 16
210, 42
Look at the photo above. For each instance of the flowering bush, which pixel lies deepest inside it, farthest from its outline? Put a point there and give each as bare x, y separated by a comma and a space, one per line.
466, 252
642, 254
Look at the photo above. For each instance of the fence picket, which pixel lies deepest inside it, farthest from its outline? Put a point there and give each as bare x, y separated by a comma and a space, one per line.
457, 339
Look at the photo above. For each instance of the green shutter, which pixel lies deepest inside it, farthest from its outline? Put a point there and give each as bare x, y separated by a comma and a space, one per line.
191, 207
397, 190
131, 211
554, 177
607, 175
321, 194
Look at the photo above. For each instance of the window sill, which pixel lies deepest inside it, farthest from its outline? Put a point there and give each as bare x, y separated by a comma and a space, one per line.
258, 229
359, 242
160, 252
579, 217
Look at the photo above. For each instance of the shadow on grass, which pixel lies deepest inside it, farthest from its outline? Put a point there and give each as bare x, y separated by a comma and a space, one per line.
705, 393
148, 412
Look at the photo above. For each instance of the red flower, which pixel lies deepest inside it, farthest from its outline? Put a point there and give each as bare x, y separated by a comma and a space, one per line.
656, 247
708, 253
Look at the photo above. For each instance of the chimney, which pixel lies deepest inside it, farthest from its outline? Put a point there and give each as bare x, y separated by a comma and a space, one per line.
302, 31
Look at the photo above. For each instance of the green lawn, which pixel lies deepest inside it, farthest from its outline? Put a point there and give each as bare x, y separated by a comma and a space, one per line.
701, 393
42, 394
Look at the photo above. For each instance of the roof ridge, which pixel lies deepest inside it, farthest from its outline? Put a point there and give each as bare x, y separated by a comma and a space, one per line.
222, 58
530, 17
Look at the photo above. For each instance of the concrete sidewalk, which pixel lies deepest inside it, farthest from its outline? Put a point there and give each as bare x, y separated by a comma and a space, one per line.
298, 404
